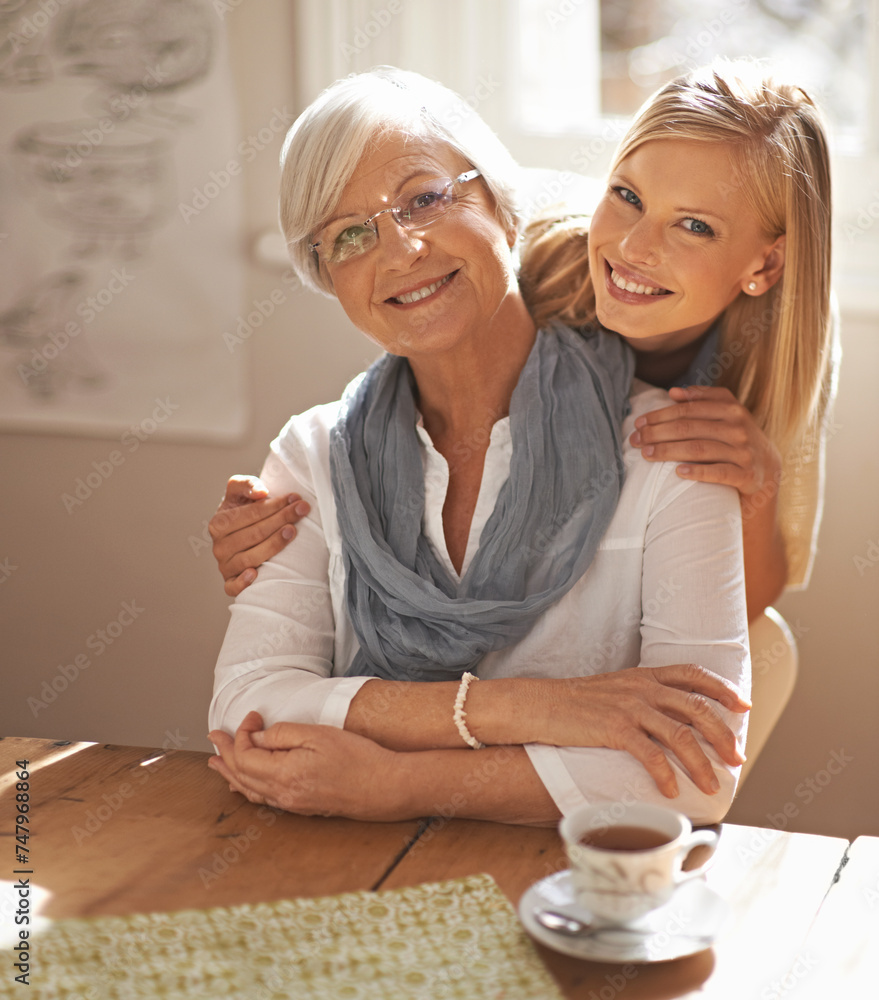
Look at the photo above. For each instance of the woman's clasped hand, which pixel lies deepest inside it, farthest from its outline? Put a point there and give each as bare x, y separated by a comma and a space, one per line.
647, 712
310, 770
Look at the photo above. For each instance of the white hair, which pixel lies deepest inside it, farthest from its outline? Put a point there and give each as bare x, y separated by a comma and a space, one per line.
326, 142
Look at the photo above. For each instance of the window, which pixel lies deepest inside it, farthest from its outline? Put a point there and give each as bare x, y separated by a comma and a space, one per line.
559, 79
608, 56
586, 65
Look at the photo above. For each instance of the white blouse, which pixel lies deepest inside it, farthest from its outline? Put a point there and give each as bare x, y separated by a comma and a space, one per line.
666, 586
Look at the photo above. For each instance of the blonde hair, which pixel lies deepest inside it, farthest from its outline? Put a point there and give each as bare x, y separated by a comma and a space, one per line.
554, 275
774, 350
326, 142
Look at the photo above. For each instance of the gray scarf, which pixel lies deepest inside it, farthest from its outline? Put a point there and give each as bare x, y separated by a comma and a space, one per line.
413, 619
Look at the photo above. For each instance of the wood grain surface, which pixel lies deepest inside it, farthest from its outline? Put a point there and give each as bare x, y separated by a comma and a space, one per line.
120, 830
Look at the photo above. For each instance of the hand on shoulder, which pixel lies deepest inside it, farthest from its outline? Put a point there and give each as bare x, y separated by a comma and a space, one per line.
718, 441
250, 527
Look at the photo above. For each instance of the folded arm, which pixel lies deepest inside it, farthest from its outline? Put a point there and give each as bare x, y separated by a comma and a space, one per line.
278, 659
321, 770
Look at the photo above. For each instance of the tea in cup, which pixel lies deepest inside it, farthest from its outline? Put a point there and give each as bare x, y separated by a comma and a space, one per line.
626, 859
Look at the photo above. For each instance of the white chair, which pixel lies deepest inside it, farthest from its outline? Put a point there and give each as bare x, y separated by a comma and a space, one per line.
774, 664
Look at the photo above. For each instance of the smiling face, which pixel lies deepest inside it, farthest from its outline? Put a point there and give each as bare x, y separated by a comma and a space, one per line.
674, 241
417, 293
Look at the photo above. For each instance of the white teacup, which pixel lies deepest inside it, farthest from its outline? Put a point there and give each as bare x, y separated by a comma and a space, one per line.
626, 858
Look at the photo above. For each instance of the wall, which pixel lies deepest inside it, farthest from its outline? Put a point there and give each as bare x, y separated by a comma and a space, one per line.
818, 772
138, 540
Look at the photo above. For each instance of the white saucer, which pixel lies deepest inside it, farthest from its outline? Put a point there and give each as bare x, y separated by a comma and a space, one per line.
688, 923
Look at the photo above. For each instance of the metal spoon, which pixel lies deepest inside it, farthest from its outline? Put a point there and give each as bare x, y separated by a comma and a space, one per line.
562, 923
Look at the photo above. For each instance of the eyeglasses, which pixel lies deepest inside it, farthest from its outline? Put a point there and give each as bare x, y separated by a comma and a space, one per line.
419, 206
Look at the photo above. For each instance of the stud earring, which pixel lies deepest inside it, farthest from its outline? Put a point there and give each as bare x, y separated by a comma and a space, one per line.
752, 286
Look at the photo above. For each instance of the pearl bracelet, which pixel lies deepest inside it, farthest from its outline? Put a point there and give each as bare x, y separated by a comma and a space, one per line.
460, 715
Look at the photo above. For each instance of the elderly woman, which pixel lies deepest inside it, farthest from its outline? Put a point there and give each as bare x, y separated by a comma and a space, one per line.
474, 512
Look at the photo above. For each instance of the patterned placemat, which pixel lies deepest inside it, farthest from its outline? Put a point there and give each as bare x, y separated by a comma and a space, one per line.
438, 941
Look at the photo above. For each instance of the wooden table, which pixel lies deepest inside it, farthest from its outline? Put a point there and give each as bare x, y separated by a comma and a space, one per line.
842, 942
121, 830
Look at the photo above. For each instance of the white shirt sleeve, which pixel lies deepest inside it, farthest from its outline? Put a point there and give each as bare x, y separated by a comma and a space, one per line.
289, 641
692, 611
282, 643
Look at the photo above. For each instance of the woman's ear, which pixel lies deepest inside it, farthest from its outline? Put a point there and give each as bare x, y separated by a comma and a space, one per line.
764, 277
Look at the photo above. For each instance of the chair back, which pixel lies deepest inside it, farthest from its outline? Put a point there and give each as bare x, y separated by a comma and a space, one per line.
774, 664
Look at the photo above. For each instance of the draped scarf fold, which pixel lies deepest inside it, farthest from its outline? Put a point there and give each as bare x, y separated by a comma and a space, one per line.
416, 621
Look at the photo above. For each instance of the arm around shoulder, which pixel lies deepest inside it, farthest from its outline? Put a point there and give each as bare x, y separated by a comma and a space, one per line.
281, 644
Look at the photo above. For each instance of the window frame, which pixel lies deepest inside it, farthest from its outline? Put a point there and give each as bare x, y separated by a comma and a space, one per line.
482, 64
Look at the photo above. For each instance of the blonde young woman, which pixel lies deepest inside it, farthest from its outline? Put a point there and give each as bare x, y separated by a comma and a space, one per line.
752, 383
751, 392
